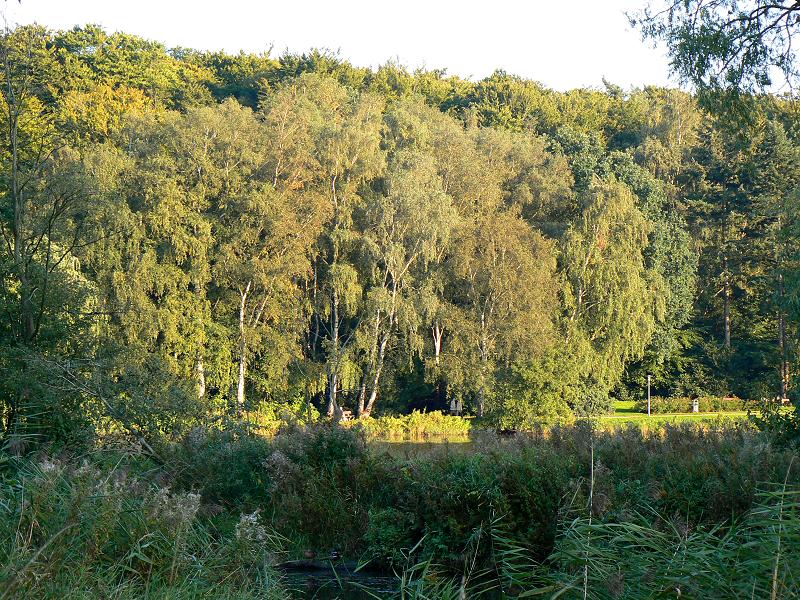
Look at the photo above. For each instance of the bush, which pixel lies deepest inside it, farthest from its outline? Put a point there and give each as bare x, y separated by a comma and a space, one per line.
389, 536
324, 488
269, 417
228, 466
528, 397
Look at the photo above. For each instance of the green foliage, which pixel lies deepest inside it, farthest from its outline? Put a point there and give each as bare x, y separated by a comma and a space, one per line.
414, 426
784, 425
530, 396
727, 49
328, 490
193, 236
652, 554
492, 512
612, 300
226, 465
200, 248
388, 536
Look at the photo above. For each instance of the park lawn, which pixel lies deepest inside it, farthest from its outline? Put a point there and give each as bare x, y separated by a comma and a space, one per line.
625, 412
625, 407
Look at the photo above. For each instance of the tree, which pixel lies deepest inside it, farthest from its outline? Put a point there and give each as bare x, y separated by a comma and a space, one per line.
612, 300
405, 230
89, 55
50, 211
774, 180
725, 48
343, 135
670, 256
265, 231
505, 293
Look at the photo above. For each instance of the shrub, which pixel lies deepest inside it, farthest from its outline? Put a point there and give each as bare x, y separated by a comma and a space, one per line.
324, 488
314, 475
528, 396
389, 536
228, 466
269, 417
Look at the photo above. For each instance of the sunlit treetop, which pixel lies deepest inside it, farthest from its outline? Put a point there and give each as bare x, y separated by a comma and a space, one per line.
726, 48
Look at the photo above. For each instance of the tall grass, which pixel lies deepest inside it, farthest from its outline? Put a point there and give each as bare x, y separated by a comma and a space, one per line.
652, 555
572, 511
73, 530
647, 556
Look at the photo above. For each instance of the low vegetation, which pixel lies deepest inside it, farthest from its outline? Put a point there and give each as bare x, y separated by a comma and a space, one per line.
223, 508
108, 525
415, 426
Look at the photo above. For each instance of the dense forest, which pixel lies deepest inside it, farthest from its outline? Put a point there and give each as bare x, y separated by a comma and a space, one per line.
188, 235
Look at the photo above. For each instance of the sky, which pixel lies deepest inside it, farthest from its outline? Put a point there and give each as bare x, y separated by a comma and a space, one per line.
563, 45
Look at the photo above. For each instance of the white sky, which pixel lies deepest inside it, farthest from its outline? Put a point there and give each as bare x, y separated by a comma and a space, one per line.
563, 45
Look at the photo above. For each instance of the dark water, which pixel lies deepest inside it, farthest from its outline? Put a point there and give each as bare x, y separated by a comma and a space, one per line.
343, 584
339, 585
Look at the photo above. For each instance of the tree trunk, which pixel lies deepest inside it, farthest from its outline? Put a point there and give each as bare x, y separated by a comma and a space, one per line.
484, 354
362, 396
782, 341
242, 351
26, 334
372, 367
333, 362
333, 382
391, 319
201, 378
373, 395
438, 332
726, 302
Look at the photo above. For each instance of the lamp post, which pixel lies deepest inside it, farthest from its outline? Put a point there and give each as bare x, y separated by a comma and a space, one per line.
648, 394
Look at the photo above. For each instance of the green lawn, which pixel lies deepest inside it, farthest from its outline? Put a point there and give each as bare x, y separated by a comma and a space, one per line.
625, 412
625, 407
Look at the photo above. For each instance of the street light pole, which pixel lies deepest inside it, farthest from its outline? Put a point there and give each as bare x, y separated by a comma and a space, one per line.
648, 394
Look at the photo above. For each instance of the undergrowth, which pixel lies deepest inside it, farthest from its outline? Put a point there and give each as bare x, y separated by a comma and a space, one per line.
572, 510
87, 529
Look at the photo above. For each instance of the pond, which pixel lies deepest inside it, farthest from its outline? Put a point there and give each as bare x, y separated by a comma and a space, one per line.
341, 584
413, 448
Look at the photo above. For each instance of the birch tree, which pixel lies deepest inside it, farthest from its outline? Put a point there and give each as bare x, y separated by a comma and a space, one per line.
342, 131
505, 289
405, 229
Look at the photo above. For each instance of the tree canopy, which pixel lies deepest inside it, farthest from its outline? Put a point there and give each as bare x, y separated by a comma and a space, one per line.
189, 237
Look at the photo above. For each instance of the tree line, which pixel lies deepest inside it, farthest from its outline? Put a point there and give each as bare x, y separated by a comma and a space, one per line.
191, 234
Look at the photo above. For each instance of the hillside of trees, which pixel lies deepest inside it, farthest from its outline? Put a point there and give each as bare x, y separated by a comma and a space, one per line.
188, 234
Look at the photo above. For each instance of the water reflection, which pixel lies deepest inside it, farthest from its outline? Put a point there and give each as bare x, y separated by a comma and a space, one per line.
413, 448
